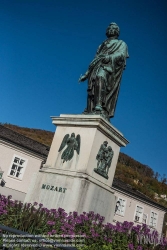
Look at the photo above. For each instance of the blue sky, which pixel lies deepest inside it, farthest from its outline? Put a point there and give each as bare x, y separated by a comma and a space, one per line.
46, 44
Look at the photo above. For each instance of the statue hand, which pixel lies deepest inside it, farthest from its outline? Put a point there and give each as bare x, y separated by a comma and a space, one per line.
82, 78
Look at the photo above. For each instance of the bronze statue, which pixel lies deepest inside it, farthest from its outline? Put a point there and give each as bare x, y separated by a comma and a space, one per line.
101, 154
72, 144
104, 159
110, 154
104, 74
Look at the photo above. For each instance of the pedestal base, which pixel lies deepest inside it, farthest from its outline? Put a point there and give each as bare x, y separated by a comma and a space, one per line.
70, 178
72, 193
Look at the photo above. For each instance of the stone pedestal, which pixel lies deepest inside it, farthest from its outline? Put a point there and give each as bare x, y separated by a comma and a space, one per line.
76, 184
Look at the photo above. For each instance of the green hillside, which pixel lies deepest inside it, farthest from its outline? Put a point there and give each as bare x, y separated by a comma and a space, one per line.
130, 171
42, 136
142, 178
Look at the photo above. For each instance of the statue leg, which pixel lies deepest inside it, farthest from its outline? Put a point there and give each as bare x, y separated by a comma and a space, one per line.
99, 95
90, 97
87, 109
89, 101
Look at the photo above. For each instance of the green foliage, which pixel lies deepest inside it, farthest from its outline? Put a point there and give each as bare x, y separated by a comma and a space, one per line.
25, 217
93, 233
141, 177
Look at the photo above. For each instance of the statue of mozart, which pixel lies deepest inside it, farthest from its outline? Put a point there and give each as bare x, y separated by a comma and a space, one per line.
104, 74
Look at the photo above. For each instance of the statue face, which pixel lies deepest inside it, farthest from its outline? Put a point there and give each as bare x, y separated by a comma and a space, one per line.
112, 30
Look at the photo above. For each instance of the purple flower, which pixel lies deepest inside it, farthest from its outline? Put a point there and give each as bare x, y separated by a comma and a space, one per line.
75, 214
29, 204
53, 210
47, 211
60, 210
130, 246
54, 231
95, 235
89, 225
51, 223
139, 248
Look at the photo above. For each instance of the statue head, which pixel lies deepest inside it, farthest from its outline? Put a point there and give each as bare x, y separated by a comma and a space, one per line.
113, 30
109, 148
72, 135
105, 143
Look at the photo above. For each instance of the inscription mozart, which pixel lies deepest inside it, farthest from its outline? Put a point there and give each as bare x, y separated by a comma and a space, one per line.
53, 188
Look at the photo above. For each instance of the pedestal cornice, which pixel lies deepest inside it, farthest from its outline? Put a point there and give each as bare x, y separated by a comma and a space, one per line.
92, 121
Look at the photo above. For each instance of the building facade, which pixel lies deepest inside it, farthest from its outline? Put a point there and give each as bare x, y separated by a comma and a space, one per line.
21, 157
132, 205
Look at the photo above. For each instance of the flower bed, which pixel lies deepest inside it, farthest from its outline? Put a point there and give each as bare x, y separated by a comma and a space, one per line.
35, 219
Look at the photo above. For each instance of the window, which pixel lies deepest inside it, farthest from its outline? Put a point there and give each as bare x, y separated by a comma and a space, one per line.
138, 214
120, 206
144, 220
17, 167
153, 219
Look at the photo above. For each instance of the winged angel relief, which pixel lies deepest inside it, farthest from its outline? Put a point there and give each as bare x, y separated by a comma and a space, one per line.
72, 144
